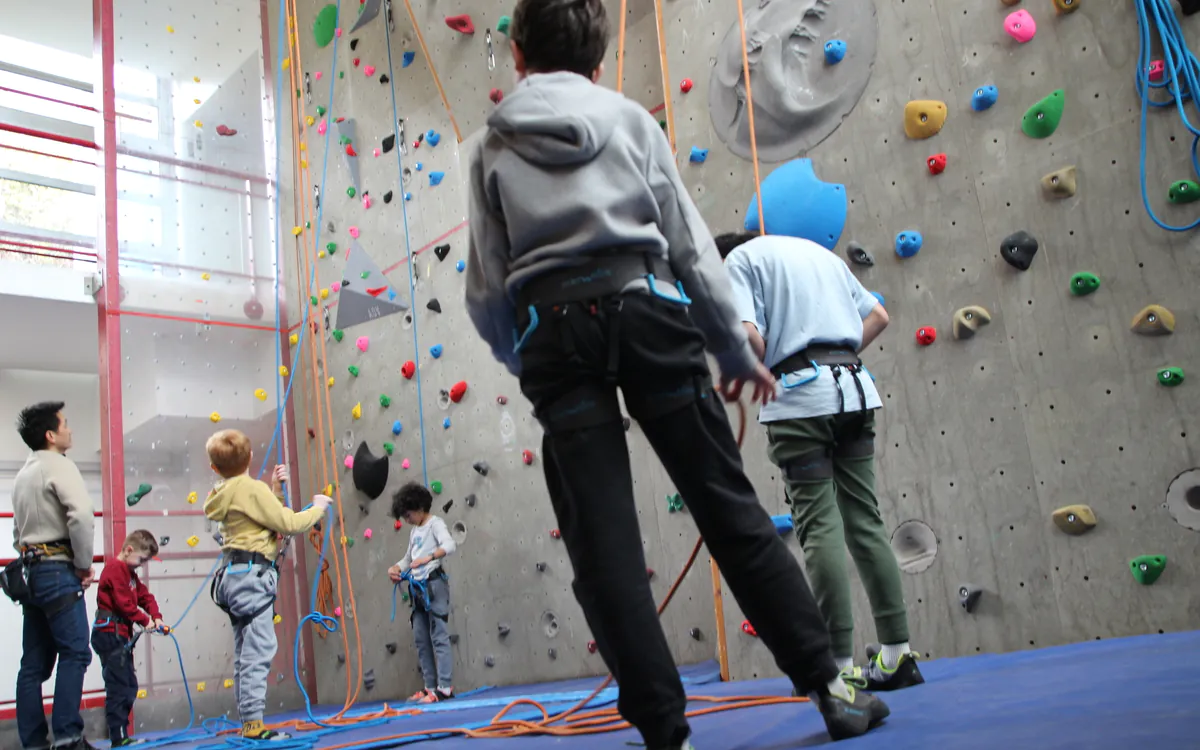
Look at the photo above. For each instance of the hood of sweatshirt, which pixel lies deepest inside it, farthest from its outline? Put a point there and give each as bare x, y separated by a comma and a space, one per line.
220, 500
555, 119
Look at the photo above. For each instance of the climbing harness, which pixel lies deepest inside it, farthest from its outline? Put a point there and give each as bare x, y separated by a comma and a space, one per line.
14, 580
252, 561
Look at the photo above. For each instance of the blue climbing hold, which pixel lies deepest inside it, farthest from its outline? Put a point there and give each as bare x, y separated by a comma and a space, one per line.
432, 137
698, 155
435, 178
835, 50
420, 166
408, 196
460, 266
783, 523
446, 423
984, 97
798, 204
436, 350
909, 244
397, 428
408, 59
878, 296
391, 294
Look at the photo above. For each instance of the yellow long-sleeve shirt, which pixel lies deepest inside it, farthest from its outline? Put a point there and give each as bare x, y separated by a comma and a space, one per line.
252, 516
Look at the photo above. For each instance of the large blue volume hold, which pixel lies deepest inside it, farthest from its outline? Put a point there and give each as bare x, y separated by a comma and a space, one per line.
796, 203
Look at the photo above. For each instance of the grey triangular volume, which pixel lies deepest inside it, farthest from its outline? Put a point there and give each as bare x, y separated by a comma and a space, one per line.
355, 305
370, 9
347, 129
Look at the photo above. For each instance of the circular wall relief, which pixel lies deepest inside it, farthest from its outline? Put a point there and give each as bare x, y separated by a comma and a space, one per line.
458, 532
1183, 499
915, 546
549, 624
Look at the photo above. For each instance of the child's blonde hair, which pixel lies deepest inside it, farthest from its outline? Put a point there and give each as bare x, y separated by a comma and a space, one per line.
229, 452
143, 542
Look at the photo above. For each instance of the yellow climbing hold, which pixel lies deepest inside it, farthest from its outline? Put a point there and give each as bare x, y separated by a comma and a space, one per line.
330, 383
193, 540
196, 79
192, 498
924, 118
328, 491
968, 320
195, 101
277, 619
260, 394
214, 417
198, 124
297, 230
303, 146
344, 539
320, 253
287, 63
324, 294
356, 412
309, 121
1074, 519
283, 371
304, 163
228, 683
170, 29
200, 686
142, 693
294, 339
1153, 320
205, 276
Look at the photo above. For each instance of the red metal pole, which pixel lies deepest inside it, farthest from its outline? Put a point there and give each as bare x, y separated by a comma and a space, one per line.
48, 136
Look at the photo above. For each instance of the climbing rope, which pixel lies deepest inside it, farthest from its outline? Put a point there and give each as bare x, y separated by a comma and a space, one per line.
762, 224
666, 76
621, 47
1181, 81
432, 69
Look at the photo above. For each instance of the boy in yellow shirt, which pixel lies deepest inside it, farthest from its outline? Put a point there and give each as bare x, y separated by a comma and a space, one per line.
252, 517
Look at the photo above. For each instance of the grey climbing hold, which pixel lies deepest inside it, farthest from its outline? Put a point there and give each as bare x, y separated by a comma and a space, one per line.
696, 634
541, 567
369, 679
391, 647
489, 661
502, 629
163, 541
454, 639
434, 305
481, 467
858, 255
341, 658
471, 500
552, 654
1018, 250
968, 596
625, 423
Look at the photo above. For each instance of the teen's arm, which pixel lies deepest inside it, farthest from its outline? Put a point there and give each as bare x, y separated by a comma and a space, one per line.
116, 577
487, 271
873, 325
267, 511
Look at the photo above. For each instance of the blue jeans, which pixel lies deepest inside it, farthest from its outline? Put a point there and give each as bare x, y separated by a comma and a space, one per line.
61, 637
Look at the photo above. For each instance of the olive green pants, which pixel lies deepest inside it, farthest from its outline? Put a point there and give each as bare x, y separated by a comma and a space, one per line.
829, 469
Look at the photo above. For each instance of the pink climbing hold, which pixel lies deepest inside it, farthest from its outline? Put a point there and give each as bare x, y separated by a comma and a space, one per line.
322, 127
366, 201
362, 343
367, 534
336, 286
338, 33
1020, 25
1157, 68
349, 462
405, 464
375, 152
317, 75
368, 70
354, 232
496, 95
337, 611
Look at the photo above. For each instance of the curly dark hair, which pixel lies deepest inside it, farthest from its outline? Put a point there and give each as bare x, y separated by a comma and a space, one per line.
554, 35
35, 421
727, 243
412, 496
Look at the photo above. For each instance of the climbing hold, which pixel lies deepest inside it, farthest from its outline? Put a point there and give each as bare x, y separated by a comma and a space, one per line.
783, 523
1084, 283
435, 351
859, 255
142, 490
984, 97
355, 62
471, 500
362, 343
481, 467
696, 634
968, 321
592, 647
354, 232
1074, 519
388, 143
336, 286
489, 661
1041, 120
408, 59
1184, 191
1147, 568
460, 266
968, 596
337, 611
462, 24
923, 118
527, 457
141, 693
797, 203
324, 25
502, 400
441, 251
321, 128
541, 567
405, 464
353, 370
366, 201
446, 423
338, 334
449, 504
1063, 7
625, 423
193, 540
502, 629
408, 369
192, 498
503, 25
385, 401
368, 70
698, 155
436, 488
368, 676
356, 412
434, 305
389, 448
228, 683
1018, 250
349, 462
387, 197
329, 383
397, 428
936, 163
458, 390
909, 243
170, 29
1170, 376
1020, 25
1061, 183
370, 471
432, 137
926, 335
225, 131
1153, 320
397, 525
351, 152
435, 178
674, 503
201, 687
198, 124
408, 196
391, 647
555, 534
214, 417
260, 394
650, 574
748, 629
835, 51
496, 95
205, 276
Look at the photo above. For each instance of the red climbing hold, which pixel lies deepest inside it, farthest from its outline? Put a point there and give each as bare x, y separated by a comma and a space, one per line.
592, 647
650, 573
496, 95
462, 24
376, 291
685, 85
502, 400
225, 131
417, 143
926, 335
555, 534
356, 62
397, 525
408, 369
458, 390
311, 434
748, 629
350, 150
936, 163
527, 457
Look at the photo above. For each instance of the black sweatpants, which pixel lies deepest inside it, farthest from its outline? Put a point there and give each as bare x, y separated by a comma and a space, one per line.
571, 367
120, 681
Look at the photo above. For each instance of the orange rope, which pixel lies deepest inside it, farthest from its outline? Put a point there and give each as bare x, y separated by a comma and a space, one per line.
621, 49
432, 69
666, 76
762, 224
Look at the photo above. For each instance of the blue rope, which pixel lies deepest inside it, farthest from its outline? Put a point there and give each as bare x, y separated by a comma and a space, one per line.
324, 621
1181, 81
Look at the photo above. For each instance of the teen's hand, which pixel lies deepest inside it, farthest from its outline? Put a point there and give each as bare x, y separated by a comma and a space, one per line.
322, 502
161, 627
86, 577
762, 380
394, 573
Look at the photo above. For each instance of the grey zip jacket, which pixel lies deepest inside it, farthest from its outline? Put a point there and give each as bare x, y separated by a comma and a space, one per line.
567, 169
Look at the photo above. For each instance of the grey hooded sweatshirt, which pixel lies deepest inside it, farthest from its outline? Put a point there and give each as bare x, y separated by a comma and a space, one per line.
566, 169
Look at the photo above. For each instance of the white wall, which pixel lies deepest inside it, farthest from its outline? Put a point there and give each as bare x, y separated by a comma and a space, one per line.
81, 392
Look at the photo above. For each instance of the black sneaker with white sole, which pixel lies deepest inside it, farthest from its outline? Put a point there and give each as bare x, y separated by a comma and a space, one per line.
849, 718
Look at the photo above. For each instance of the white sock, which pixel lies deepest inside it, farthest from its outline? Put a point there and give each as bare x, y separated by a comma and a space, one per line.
844, 663
892, 652
838, 689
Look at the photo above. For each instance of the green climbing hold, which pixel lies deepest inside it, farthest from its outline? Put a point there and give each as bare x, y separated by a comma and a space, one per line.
385, 401
350, 541
350, 191
338, 334
674, 502
436, 487
308, 225
320, 110
503, 24
313, 299
1184, 191
343, 140
341, 74
297, 93
142, 490
1170, 376
662, 124
1042, 118
365, 274
1084, 283
353, 370
389, 448
1147, 568
403, 596
331, 248
325, 25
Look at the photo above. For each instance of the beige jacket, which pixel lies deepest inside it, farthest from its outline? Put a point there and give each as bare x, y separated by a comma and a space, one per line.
252, 517
51, 503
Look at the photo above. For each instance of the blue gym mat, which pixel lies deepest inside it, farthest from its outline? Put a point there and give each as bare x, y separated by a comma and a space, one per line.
1117, 694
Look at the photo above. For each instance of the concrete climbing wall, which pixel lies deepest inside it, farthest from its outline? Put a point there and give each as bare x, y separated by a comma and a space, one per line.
1055, 402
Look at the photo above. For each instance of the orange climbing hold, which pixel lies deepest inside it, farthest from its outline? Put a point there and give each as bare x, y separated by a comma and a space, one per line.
462, 24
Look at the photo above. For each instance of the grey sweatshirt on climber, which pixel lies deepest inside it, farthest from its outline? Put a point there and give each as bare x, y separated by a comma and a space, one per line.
569, 169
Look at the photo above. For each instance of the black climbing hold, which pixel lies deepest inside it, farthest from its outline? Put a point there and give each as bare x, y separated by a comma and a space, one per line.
434, 305
441, 251
389, 143
625, 422
454, 639
341, 658
541, 567
447, 506
163, 541
471, 500
968, 596
859, 255
370, 472
387, 197
353, 44
489, 661
502, 629
369, 679
329, 226
695, 634
552, 654
345, 283
391, 647
384, 79
482, 467
1018, 250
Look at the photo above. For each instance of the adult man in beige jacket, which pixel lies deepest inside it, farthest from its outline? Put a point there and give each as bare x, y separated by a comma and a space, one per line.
53, 531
